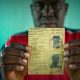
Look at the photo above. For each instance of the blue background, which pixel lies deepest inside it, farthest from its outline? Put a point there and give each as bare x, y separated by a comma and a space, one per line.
15, 16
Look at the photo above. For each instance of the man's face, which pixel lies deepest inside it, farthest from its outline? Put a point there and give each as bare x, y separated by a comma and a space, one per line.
49, 13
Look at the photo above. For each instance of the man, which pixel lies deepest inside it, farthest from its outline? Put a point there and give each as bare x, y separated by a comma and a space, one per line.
55, 61
46, 13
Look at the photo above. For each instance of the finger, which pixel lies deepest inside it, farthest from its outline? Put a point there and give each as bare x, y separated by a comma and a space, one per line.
18, 46
74, 59
13, 68
26, 55
66, 45
74, 42
14, 52
66, 59
14, 60
74, 62
19, 68
66, 53
28, 48
74, 51
72, 66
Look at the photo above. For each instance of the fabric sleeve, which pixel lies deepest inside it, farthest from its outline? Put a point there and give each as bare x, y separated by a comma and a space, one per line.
21, 39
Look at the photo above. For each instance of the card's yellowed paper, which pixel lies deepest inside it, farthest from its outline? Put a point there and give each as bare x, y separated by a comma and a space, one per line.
47, 51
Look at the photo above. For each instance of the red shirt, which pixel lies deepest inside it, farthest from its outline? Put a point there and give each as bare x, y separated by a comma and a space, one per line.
23, 39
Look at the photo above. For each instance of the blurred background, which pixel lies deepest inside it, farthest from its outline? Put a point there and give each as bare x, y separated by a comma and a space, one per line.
15, 16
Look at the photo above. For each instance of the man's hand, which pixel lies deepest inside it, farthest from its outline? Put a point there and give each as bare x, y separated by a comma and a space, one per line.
72, 59
15, 62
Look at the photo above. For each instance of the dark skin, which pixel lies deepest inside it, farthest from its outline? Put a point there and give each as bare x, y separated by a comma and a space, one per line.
15, 63
72, 59
49, 13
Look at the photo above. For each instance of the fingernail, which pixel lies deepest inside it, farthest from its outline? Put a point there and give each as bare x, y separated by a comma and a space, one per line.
20, 68
66, 45
66, 59
25, 61
28, 48
26, 55
71, 66
66, 53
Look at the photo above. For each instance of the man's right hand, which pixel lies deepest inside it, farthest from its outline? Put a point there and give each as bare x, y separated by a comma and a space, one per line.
15, 63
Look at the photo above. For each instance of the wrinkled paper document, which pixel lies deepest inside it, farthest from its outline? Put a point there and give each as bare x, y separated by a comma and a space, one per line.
46, 56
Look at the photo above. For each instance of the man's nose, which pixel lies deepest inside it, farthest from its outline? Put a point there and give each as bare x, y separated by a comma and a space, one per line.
48, 11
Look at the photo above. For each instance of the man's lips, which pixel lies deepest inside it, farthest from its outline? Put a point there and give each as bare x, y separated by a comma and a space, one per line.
52, 23
48, 25
48, 20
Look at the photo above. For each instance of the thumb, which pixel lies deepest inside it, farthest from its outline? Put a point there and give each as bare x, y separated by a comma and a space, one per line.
14, 75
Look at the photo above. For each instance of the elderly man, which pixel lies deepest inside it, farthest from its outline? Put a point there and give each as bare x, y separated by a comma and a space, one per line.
46, 13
